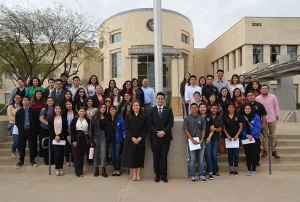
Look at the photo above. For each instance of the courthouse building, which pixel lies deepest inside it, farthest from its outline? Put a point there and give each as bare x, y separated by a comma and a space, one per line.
126, 43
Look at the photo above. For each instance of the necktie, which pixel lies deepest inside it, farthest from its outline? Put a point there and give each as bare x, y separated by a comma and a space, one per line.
160, 112
57, 93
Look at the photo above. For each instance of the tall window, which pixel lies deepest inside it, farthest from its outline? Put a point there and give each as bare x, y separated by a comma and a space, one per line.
116, 37
234, 60
184, 38
292, 51
116, 64
257, 54
274, 51
185, 61
7, 95
241, 57
102, 69
227, 63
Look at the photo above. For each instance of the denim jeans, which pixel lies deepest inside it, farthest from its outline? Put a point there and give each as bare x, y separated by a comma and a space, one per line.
233, 157
15, 145
196, 155
116, 149
211, 156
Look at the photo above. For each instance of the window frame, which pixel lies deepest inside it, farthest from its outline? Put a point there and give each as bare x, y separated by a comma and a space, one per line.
115, 66
241, 57
293, 55
262, 53
184, 38
117, 37
272, 54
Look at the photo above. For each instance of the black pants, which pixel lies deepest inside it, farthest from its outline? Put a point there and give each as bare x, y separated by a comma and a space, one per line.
258, 143
251, 155
87, 151
160, 151
27, 135
43, 134
58, 156
68, 152
78, 153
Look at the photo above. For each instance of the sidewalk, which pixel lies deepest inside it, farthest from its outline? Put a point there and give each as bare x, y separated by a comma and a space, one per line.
37, 187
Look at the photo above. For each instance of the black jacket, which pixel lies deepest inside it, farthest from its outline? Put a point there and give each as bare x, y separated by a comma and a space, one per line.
73, 129
63, 135
58, 99
33, 119
96, 101
165, 123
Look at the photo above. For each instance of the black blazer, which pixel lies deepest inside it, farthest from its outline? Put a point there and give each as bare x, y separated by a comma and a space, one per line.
96, 101
165, 123
63, 135
33, 118
46, 93
73, 128
58, 100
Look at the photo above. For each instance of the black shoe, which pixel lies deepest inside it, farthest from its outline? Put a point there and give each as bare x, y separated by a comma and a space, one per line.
157, 179
96, 173
210, 177
19, 164
165, 179
34, 164
104, 174
114, 174
231, 173
236, 173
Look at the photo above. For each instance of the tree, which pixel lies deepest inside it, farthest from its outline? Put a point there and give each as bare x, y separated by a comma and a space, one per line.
36, 42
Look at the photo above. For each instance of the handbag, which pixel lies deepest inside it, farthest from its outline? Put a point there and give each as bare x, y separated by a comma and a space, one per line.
261, 137
222, 147
8, 127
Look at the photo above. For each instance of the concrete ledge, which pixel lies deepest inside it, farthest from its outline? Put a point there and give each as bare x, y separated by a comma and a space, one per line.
3, 130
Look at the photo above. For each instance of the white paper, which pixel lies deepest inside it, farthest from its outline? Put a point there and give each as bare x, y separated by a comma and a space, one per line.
232, 144
247, 141
62, 142
194, 146
15, 130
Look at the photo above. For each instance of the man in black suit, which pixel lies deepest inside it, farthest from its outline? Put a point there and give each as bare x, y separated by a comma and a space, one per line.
27, 124
48, 91
161, 120
58, 94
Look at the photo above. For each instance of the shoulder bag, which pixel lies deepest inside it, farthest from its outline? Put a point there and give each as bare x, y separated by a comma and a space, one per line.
261, 137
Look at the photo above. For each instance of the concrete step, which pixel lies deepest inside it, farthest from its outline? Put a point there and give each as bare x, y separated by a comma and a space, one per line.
7, 151
288, 136
9, 144
288, 142
285, 158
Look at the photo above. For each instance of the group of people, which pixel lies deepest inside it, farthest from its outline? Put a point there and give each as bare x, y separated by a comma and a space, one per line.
111, 125
235, 111
102, 126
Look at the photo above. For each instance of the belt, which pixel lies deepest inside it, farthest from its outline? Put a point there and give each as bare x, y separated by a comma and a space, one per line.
148, 104
26, 129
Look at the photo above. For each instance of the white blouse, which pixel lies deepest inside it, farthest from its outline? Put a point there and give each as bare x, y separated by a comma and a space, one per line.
90, 90
82, 125
232, 87
57, 125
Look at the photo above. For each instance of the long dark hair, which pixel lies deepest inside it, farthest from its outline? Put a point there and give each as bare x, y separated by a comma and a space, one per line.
112, 94
216, 101
65, 110
228, 93
203, 104
47, 107
85, 103
67, 91
13, 101
31, 81
238, 78
77, 96
51, 119
77, 115
98, 113
135, 79
243, 83
233, 96
33, 102
90, 80
249, 118
202, 77
186, 81
124, 86
131, 112
255, 90
112, 80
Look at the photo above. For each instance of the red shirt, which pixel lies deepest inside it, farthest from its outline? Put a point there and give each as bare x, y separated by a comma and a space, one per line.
38, 106
102, 101
239, 102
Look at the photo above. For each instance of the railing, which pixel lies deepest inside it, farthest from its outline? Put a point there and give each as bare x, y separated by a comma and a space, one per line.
270, 146
49, 148
3, 108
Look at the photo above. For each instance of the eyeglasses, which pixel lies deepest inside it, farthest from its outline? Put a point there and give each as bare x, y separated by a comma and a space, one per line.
81, 91
107, 100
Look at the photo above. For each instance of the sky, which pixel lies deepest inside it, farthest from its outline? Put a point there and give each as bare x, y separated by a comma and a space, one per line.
210, 18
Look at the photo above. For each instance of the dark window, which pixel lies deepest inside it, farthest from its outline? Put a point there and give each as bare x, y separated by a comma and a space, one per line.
292, 51
116, 64
257, 54
241, 57
184, 38
274, 51
234, 60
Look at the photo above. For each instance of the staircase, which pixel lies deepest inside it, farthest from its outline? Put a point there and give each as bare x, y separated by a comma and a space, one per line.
288, 135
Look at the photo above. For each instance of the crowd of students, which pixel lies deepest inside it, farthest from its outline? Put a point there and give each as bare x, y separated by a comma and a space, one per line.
115, 122
219, 110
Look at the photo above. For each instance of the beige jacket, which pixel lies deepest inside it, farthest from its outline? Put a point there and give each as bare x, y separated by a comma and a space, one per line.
11, 112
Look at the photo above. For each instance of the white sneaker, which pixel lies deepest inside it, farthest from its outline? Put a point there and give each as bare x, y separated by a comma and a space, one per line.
253, 173
249, 173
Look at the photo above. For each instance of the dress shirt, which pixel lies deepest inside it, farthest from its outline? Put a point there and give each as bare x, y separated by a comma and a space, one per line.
74, 90
149, 96
189, 92
57, 125
232, 87
82, 125
270, 102
27, 120
220, 85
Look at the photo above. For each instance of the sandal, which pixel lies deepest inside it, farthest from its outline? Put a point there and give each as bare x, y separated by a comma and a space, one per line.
57, 173
61, 172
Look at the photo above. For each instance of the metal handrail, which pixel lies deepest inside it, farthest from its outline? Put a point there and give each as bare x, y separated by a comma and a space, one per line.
49, 149
3, 108
270, 146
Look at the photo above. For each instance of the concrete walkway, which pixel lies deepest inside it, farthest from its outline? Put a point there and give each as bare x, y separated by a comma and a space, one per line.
37, 187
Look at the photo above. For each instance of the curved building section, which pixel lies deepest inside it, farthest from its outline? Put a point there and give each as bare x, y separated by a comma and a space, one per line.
126, 42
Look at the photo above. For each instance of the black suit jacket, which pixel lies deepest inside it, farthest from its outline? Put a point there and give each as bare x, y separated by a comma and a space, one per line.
96, 101
63, 135
33, 118
46, 93
163, 123
58, 99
